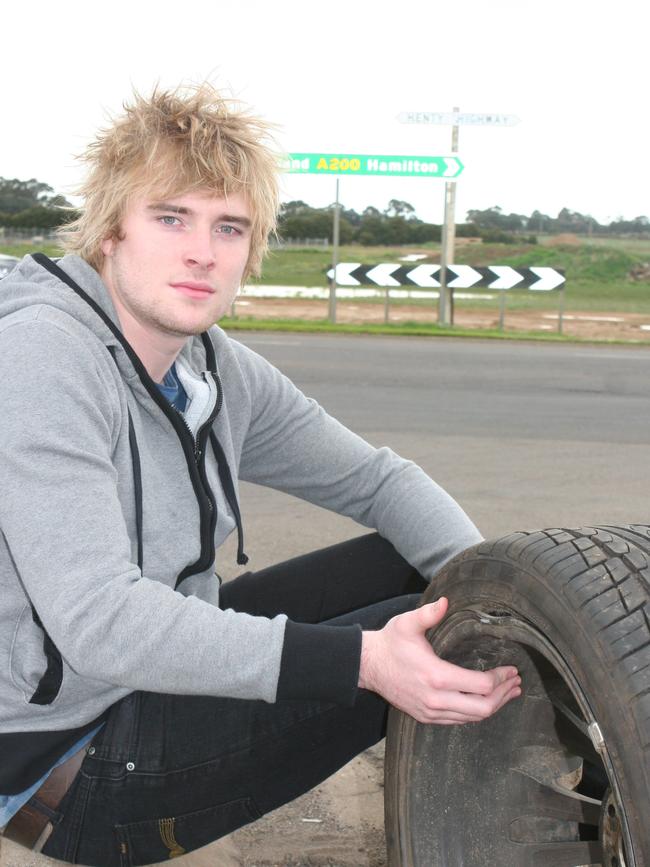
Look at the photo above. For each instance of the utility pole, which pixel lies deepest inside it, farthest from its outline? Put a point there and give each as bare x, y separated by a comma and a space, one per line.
335, 257
446, 299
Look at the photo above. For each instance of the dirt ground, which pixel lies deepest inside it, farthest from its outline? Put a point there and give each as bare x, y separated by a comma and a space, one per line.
596, 325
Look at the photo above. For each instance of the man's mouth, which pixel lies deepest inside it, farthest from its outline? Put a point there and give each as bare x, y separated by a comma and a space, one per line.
194, 289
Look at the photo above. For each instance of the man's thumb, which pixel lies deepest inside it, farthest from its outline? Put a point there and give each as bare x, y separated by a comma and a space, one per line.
433, 613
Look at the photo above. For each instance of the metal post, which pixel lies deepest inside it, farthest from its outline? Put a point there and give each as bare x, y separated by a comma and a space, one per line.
386, 305
561, 311
335, 257
446, 300
502, 309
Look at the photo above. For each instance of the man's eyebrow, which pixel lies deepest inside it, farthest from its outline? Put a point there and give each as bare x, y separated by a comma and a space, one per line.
179, 209
166, 206
234, 218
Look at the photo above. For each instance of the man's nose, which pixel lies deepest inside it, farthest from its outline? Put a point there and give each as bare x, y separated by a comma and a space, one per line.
199, 251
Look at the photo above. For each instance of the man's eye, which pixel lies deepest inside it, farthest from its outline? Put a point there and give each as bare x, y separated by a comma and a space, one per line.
168, 220
227, 230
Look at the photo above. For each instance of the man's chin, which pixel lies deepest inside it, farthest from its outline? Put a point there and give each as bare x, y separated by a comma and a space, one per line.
188, 329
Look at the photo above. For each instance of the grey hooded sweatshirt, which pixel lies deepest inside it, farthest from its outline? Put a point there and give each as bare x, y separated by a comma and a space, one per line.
113, 506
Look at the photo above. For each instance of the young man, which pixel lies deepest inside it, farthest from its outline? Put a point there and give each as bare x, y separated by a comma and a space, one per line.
146, 711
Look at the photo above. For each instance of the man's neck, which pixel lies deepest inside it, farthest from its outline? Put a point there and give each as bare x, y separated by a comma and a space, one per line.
155, 351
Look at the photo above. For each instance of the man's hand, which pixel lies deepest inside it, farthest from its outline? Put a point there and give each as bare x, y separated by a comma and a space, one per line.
399, 663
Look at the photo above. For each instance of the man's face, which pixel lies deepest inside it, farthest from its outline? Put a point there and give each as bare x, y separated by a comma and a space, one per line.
179, 264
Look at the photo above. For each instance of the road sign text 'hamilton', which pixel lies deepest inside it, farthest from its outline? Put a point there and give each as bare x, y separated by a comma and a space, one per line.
374, 164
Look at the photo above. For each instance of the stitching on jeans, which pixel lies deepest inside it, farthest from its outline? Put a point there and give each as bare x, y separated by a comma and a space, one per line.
78, 807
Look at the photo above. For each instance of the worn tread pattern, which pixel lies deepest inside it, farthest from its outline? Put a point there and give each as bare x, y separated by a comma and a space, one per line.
604, 573
599, 577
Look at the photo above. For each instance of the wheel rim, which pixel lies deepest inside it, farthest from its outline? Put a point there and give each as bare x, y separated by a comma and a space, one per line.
612, 833
572, 770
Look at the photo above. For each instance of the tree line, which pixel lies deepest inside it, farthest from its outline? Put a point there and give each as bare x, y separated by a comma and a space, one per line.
33, 204
398, 224
567, 221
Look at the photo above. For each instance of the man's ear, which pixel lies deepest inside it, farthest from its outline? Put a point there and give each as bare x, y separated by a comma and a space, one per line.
108, 246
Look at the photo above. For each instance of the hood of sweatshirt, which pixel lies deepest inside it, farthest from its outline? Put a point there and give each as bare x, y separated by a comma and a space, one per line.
30, 285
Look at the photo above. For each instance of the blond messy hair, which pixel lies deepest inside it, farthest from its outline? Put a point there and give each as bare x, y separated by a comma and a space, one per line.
168, 144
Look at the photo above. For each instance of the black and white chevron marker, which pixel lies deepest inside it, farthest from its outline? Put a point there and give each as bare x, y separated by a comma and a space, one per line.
458, 276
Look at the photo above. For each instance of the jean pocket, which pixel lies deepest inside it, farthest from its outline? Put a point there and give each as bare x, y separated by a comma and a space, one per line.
169, 837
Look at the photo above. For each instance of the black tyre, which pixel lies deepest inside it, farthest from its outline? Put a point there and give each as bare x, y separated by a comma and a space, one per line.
560, 777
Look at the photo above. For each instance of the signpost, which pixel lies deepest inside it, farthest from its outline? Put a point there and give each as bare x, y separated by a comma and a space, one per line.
453, 119
446, 298
377, 165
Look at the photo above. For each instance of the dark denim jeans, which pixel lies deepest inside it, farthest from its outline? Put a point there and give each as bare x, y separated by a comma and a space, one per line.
168, 774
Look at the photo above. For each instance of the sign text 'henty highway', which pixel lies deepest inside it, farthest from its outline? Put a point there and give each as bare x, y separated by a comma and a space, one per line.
374, 164
453, 118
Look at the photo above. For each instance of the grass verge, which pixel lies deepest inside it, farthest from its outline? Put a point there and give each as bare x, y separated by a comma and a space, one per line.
410, 329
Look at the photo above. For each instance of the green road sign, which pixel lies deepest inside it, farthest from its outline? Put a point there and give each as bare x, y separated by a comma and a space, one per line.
374, 164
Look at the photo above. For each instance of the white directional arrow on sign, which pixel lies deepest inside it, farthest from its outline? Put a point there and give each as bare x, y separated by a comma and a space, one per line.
548, 279
389, 274
467, 277
423, 275
343, 276
507, 277
381, 274
451, 169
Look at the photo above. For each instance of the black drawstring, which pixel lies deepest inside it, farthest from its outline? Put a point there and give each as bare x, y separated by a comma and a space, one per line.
137, 487
225, 478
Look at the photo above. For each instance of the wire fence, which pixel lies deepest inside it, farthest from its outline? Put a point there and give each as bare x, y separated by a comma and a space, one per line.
278, 243
14, 235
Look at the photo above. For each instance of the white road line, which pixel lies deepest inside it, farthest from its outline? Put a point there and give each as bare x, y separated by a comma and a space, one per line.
584, 318
321, 293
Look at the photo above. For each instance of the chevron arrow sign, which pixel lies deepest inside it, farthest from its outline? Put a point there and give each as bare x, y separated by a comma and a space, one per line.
458, 276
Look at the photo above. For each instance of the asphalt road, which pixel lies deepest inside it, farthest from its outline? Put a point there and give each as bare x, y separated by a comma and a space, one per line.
524, 435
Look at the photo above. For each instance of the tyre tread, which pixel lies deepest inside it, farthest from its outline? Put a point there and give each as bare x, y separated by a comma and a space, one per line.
604, 571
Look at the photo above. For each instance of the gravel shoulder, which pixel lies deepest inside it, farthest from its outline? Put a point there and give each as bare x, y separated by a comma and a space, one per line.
608, 325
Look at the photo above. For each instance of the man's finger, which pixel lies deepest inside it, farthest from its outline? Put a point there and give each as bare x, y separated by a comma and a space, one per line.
472, 704
455, 677
450, 719
431, 614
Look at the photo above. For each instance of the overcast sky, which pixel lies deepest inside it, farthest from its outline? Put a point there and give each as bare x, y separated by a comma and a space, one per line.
334, 76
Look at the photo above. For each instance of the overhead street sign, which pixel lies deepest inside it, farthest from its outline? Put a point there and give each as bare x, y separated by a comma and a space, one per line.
374, 164
452, 118
458, 276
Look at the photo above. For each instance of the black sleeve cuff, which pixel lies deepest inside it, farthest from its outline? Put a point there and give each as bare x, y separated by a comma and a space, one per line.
320, 662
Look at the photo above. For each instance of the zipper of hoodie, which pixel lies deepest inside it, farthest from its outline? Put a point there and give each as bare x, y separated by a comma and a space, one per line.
200, 451
208, 522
